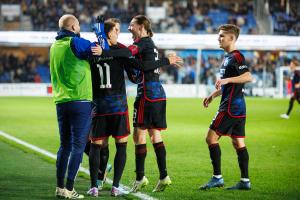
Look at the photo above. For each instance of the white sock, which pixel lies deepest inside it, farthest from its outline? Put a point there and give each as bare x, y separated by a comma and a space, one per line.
245, 179
217, 176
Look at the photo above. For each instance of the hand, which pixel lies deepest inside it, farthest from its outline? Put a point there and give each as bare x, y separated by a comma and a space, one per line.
175, 60
207, 101
221, 82
97, 50
97, 28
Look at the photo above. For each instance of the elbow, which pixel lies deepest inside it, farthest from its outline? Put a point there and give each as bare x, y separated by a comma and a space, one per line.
250, 78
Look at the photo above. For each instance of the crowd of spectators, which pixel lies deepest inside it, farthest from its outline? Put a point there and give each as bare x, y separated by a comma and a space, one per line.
286, 21
15, 69
186, 16
181, 17
264, 66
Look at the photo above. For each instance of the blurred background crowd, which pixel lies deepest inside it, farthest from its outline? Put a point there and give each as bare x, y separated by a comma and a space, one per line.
274, 17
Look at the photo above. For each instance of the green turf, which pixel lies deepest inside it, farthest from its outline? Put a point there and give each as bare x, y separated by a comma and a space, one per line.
25, 176
273, 145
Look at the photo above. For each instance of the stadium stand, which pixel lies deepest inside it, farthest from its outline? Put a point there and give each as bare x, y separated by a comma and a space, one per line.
185, 16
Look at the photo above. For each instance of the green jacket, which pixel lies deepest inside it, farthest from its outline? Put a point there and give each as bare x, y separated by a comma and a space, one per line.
70, 76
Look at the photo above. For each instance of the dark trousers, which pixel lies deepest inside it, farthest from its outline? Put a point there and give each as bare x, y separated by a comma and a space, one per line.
74, 121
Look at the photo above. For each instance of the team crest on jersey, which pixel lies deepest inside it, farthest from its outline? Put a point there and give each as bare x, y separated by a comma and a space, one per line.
222, 72
226, 61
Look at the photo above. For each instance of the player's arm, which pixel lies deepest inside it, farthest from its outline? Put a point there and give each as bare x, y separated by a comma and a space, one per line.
209, 99
133, 75
133, 50
152, 65
243, 74
243, 78
82, 48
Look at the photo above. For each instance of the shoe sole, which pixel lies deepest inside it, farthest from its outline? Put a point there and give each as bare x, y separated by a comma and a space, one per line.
59, 196
238, 189
139, 188
207, 188
162, 188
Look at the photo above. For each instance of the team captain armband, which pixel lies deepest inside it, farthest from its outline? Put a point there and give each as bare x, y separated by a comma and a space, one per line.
133, 49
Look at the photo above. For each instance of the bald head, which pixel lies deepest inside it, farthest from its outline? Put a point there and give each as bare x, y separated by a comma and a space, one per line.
69, 22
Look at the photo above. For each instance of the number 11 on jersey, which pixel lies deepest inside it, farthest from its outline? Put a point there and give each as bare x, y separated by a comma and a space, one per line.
104, 76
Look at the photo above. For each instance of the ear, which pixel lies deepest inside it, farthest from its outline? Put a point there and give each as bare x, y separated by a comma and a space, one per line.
73, 27
141, 27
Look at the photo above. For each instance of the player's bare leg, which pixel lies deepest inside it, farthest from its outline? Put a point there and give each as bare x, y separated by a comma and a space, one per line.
212, 140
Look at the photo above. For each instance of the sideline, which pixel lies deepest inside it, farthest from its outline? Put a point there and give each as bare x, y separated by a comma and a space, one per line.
82, 169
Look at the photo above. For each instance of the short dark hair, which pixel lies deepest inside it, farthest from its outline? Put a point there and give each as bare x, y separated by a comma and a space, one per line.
108, 26
230, 28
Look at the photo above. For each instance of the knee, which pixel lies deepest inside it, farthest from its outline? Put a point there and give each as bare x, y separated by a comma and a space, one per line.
238, 144
140, 140
155, 138
65, 149
211, 140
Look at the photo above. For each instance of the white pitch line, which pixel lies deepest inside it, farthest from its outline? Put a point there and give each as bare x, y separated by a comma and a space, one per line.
82, 169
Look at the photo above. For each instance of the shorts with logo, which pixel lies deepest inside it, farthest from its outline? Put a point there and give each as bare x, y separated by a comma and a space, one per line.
225, 125
115, 125
149, 114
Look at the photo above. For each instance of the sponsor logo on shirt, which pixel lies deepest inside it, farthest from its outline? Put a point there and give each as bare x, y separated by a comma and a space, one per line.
243, 67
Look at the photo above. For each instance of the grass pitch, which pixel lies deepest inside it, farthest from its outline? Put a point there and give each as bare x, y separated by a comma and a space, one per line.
273, 145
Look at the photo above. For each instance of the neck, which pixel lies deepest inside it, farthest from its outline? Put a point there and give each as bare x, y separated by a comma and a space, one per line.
230, 48
144, 34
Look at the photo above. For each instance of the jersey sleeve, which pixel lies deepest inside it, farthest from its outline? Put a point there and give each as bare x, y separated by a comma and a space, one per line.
82, 47
117, 53
146, 65
136, 48
134, 75
239, 63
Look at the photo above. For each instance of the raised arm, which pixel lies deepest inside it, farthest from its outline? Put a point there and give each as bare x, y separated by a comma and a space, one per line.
243, 78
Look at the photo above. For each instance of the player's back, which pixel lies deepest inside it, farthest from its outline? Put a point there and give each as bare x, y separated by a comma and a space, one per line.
109, 91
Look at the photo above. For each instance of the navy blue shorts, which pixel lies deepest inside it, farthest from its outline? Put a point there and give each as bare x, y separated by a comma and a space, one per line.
149, 115
115, 125
225, 125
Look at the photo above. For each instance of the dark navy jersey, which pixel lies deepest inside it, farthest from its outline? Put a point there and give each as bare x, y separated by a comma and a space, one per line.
233, 100
109, 91
151, 88
295, 80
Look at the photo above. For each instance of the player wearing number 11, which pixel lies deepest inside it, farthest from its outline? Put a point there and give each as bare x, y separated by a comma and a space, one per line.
110, 115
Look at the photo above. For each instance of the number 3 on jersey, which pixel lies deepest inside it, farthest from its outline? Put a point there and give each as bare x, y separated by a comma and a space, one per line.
104, 72
157, 71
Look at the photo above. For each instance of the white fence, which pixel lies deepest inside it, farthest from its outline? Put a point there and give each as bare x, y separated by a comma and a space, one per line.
44, 89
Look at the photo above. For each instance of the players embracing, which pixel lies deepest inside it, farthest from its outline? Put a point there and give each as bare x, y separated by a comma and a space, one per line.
109, 96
